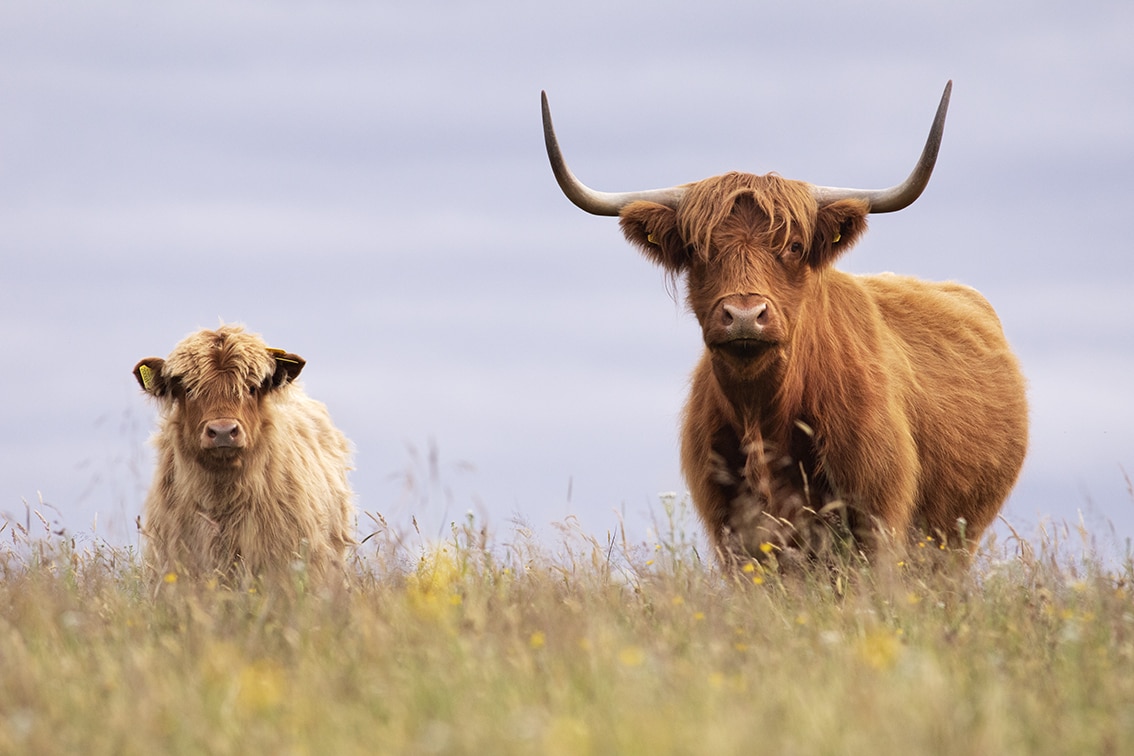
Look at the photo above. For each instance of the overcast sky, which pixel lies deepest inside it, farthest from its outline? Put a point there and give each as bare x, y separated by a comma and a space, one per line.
366, 185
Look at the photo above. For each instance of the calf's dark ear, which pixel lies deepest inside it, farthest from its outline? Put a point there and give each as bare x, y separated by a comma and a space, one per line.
288, 367
150, 378
838, 226
652, 228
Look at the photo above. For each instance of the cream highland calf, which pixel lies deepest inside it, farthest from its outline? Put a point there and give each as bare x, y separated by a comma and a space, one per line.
251, 477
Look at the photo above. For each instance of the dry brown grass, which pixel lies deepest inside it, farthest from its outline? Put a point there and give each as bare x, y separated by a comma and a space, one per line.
477, 644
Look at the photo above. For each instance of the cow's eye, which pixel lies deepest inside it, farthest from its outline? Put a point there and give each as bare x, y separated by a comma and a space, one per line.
253, 390
797, 249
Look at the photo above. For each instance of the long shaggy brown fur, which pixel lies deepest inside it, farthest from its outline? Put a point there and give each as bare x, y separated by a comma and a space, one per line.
275, 496
884, 406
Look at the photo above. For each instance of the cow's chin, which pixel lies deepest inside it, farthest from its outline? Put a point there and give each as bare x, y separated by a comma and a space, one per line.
744, 350
746, 354
744, 360
225, 459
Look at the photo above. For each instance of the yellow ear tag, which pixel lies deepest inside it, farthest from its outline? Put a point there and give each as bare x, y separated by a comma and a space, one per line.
279, 355
837, 237
147, 376
651, 239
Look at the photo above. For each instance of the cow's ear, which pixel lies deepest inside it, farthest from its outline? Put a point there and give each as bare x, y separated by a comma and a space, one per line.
288, 367
652, 228
838, 227
150, 377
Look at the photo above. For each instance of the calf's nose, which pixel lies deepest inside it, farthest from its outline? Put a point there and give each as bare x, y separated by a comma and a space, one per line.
222, 433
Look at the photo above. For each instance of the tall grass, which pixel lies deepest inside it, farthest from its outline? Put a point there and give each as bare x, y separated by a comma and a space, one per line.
486, 644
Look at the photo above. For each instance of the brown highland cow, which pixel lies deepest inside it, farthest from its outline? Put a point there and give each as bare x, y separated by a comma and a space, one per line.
251, 476
883, 405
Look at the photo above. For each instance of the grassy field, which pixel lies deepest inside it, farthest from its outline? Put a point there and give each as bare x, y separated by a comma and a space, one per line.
487, 644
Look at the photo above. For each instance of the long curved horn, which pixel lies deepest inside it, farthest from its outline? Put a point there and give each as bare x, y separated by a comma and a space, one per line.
880, 200
595, 202
903, 195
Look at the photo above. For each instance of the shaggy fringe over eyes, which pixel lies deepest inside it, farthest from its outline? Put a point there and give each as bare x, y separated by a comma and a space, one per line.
229, 357
787, 207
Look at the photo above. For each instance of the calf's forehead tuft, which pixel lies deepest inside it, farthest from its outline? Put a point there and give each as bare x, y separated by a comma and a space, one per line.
226, 356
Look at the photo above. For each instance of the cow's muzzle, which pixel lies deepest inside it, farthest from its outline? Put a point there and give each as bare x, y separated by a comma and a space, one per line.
224, 433
746, 318
744, 325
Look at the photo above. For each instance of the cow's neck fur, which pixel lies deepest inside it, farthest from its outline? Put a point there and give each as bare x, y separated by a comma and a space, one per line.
787, 410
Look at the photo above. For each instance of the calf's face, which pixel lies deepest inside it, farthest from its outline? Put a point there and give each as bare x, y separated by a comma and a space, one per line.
213, 386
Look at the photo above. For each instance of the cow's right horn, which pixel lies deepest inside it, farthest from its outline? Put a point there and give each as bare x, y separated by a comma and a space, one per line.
595, 202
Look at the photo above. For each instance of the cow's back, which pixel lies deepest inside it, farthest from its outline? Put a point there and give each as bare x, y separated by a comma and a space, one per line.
968, 405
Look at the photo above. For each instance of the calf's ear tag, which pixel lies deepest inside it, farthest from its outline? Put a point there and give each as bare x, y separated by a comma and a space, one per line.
838, 236
651, 239
281, 355
147, 374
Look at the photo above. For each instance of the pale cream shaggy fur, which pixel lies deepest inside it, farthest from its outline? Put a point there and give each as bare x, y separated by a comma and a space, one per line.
273, 499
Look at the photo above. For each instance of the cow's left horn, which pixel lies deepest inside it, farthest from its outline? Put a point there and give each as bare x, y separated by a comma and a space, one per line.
903, 195
595, 202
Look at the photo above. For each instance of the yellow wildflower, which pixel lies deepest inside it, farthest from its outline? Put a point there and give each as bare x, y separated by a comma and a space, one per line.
261, 686
880, 649
632, 656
